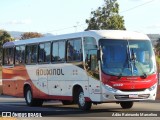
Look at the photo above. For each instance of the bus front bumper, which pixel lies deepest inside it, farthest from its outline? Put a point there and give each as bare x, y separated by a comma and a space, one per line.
110, 94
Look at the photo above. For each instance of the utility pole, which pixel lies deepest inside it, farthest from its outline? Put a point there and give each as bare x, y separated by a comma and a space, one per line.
76, 26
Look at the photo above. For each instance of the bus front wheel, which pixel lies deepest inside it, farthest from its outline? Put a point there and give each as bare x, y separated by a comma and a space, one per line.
83, 105
30, 100
126, 104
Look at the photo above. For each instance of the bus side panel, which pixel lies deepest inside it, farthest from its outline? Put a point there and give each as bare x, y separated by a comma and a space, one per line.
56, 81
7, 81
8, 87
13, 79
95, 89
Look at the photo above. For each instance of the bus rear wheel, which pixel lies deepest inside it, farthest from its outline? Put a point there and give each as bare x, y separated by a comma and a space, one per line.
126, 104
83, 105
30, 100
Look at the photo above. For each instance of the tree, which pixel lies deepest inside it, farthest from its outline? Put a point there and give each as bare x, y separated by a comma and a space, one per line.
106, 17
157, 47
28, 35
4, 37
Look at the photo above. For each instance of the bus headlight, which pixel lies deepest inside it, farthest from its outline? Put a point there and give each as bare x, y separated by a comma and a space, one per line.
153, 87
109, 88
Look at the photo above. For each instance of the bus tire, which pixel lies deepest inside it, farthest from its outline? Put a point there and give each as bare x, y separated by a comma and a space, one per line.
30, 100
83, 105
126, 104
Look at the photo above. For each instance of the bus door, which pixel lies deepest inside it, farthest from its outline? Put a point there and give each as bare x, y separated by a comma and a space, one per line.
92, 68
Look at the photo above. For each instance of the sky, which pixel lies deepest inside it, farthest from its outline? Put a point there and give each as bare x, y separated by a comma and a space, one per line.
68, 16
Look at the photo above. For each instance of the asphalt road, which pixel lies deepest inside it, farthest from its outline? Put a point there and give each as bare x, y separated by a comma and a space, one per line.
17, 106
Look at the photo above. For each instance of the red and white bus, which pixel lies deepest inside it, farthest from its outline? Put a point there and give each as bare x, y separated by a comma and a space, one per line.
86, 67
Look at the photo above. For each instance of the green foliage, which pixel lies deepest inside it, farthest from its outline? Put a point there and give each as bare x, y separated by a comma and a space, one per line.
158, 59
106, 17
158, 63
157, 52
157, 46
4, 37
28, 35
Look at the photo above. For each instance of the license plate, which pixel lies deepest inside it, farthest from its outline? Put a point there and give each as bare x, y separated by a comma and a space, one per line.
133, 96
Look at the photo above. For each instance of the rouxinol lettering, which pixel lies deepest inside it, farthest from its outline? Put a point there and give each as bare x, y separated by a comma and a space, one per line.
49, 72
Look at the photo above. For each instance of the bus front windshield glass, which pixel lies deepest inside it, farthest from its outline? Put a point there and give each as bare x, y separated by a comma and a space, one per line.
127, 58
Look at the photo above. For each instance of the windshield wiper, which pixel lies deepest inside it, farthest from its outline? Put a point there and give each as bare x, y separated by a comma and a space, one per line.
144, 74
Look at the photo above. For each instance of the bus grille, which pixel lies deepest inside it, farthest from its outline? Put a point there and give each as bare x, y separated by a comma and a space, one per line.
123, 97
135, 90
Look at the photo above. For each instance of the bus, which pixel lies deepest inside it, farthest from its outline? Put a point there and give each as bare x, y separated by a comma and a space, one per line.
85, 68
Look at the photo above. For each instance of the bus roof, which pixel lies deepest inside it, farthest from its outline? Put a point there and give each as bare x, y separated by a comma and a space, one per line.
97, 34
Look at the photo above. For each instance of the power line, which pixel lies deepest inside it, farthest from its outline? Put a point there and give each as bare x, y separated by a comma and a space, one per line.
137, 6
60, 29
120, 12
66, 28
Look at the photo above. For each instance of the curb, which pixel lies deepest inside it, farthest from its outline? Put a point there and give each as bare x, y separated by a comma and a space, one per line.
152, 101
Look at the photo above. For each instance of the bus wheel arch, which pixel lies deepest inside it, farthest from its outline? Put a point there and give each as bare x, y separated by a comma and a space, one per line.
30, 101
78, 96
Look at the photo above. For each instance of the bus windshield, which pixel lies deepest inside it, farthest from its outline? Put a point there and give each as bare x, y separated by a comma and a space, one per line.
127, 57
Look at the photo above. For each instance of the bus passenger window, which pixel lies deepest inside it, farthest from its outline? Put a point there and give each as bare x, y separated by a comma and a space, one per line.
44, 52
74, 50
28, 55
41, 53
58, 51
55, 52
62, 51
48, 52
70, 50
8, 56
31, 54
34, 54
19, 55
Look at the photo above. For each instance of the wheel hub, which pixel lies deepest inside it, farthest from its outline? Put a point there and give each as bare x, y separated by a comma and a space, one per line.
29, 96
81, 99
